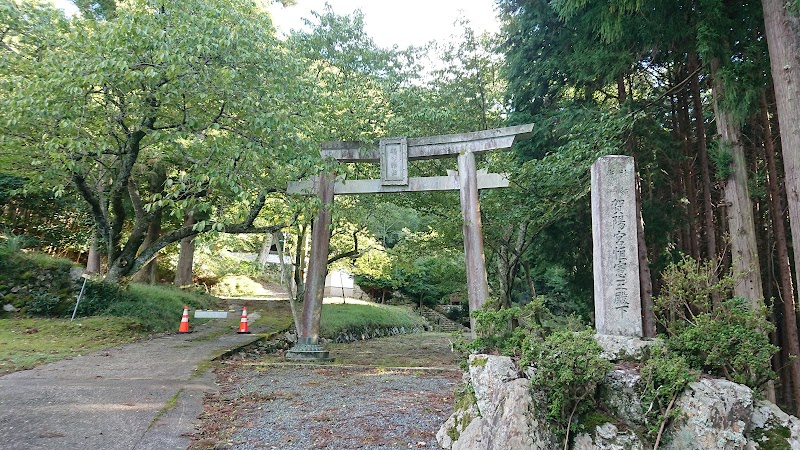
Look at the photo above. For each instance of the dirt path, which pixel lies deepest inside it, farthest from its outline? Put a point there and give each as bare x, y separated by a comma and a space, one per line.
388, 393
145, 395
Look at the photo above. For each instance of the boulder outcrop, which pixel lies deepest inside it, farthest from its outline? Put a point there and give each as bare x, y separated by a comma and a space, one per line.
507, 414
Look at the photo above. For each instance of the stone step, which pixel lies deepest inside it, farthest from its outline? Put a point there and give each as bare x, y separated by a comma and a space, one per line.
439, 321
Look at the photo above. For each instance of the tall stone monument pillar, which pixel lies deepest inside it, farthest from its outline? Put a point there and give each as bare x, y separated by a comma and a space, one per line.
617, 301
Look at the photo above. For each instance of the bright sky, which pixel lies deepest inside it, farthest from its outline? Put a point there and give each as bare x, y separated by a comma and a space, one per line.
389, 23
401, 23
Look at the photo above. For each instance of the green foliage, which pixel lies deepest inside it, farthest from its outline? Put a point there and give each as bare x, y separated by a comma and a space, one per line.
432, 279
33, 279
12, 243
728, 339
425, 267
99, 296
776, 438
732, 341
45, 304
183, 86
722, 158
567, 369
495, 333
689, 287
155, 308
237, 286
664, 376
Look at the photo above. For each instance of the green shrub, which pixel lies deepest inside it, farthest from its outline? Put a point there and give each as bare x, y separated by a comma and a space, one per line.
566, 362
155, 307
664, 376
494, 331
567, 370
98, 296
506, 330
731, 342
727, 337
45, 304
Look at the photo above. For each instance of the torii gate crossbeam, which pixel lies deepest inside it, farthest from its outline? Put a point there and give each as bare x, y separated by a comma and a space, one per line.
393, 155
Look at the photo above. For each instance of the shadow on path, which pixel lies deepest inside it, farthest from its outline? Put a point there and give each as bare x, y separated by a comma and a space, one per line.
144, 395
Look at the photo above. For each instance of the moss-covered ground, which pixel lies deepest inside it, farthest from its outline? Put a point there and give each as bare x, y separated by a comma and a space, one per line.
26, 342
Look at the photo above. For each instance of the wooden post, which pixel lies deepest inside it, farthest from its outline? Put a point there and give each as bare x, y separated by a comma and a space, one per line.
477, 281
308, 336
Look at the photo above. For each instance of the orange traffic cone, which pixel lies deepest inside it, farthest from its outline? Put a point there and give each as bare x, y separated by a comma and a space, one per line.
243, 322
184, 328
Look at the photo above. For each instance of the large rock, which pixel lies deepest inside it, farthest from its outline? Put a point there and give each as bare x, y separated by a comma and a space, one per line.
454, 427
715, 414
772, 428
608, 437
488, 374
508, 416
620, 394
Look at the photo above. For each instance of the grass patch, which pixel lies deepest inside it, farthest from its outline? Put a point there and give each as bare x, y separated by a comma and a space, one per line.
238, 286
156, 307
337, 318
406, 350
274, 316
26, 343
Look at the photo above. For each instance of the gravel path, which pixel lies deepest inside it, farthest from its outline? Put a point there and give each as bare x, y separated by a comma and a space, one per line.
286, 406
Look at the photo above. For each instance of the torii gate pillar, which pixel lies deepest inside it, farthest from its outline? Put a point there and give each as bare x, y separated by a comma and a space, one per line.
308, 336
477, 280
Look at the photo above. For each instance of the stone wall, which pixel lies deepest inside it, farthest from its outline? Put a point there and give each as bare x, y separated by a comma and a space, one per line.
364, 333
25, 280
505, 414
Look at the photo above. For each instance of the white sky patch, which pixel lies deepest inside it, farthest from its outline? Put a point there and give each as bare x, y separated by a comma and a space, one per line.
69, 8
389, 23
401, 23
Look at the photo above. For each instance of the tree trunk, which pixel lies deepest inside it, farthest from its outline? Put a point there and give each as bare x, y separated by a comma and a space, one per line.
737, 197
783, 38
645, 278
300, 262
286, 280
782, 248
285, 274
157, 178
147, 274
183, 271
689, 173
705, 172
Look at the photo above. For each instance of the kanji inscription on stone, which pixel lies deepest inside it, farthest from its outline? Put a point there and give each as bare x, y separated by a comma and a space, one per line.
617, 304
394, 161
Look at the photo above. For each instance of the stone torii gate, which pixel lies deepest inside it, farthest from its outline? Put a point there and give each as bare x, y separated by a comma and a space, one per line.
393, 155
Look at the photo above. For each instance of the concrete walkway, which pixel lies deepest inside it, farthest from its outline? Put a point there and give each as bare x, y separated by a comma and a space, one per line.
145, 395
